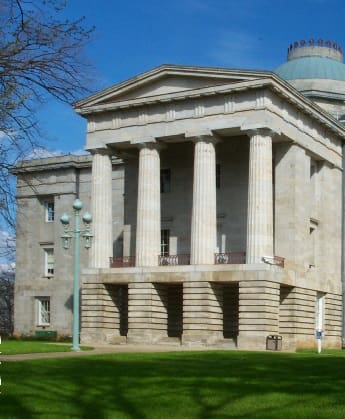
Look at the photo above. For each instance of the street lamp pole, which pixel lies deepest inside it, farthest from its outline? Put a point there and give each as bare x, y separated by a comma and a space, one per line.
66, 242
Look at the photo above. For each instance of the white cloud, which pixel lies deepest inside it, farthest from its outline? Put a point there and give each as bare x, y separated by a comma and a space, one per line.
7, 268
79, 152
6, 239
41, 153
3, 135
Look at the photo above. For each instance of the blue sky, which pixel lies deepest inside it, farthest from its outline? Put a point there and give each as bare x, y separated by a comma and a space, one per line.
134, 36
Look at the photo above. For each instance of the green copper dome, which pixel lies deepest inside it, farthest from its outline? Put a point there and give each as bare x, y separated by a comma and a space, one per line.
312, 68
313, 60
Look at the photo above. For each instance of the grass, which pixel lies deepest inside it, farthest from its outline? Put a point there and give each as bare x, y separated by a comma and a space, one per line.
13, 347
188, 385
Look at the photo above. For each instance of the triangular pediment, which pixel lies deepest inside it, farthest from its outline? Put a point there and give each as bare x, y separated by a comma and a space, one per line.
166, 79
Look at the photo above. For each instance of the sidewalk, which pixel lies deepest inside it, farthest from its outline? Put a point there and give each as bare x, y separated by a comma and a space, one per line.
99, 350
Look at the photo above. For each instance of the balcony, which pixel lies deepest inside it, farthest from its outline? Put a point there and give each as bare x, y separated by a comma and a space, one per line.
174, 260
122, 262
279, 261
184, 259
230, 258
240, 258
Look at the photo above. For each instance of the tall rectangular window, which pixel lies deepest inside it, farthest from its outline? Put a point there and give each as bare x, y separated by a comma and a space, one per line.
50, 211
43, 311
165, 236
165, 180
49, 262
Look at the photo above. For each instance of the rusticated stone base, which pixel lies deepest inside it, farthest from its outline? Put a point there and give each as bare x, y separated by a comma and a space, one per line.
193, 307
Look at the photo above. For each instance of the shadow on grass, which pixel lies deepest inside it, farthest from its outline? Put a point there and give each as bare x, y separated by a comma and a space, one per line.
177, 385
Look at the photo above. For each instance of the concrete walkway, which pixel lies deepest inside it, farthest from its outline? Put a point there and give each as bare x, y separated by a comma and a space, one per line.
99, 350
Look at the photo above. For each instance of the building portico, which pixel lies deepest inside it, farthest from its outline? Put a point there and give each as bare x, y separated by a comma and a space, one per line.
209, 241
216, 203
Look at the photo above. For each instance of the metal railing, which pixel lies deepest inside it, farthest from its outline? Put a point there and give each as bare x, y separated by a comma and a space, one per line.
279, 261
122, 262
183, 259
230, 258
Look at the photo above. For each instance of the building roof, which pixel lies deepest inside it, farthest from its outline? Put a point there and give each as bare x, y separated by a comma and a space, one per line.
312, 67
313, 60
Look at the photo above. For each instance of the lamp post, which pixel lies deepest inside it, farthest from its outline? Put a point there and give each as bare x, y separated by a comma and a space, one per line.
66, 243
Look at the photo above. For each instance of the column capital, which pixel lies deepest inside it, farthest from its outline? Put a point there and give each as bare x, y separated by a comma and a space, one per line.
147, 142
204, 135
264, 132
101, 151
153, 145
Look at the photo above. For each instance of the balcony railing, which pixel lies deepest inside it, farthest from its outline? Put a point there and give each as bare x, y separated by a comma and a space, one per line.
279, 261
184, 259
122, 262
230, 258
174, 260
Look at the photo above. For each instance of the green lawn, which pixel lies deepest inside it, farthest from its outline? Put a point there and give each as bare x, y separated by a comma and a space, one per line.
200, 385
11, 347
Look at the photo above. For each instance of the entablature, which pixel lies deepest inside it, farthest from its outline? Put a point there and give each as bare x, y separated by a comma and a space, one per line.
286, 122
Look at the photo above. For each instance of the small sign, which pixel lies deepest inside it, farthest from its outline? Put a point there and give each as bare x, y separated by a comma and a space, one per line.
318, 335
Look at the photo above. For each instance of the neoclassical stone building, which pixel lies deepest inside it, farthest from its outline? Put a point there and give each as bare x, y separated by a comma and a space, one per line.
216, 197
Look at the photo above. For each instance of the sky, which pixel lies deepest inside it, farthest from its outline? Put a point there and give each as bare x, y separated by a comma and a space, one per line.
134, 36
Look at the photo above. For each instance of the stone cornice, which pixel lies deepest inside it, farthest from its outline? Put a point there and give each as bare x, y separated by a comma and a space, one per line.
271, 81
166, 70
171, 97
55, 163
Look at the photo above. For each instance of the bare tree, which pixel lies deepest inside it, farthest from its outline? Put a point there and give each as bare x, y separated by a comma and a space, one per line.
6, 301
41, 56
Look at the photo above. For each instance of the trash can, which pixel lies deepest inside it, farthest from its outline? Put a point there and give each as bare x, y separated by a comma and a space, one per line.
274, 343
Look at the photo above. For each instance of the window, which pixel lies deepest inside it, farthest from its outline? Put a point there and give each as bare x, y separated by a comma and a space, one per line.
165, 180
43, 311
49, 262
50, 212
314, 179
217, 176
165, 236
313, 235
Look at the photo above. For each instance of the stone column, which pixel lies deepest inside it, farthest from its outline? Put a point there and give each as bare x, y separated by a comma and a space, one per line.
101, 209
148, 207
260, 200
204, 216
